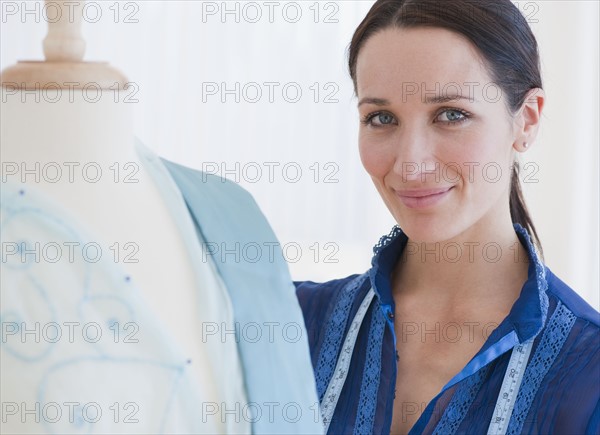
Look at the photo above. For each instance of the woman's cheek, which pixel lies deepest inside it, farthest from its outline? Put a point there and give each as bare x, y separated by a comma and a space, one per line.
376, 161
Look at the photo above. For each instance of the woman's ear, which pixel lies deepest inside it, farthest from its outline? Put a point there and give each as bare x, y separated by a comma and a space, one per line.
527, 121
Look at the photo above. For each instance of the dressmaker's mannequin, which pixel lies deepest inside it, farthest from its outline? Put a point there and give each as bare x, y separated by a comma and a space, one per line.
123, 206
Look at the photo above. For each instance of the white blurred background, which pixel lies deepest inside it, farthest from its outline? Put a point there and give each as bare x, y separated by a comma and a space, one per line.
291, 138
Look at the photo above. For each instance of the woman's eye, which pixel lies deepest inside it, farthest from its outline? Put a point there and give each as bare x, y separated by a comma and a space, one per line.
452, 116
384, 118
446, 116
378, 119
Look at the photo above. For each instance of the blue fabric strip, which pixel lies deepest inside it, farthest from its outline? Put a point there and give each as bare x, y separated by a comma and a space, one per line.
461, 403
369, 387
277, 368
552, 341
503, 345
336, 384
336, 326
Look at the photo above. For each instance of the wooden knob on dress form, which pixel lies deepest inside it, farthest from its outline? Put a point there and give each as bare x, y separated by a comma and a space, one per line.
64, 48
64, 42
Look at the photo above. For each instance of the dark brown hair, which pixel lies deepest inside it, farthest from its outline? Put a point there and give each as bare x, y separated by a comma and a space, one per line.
503, 38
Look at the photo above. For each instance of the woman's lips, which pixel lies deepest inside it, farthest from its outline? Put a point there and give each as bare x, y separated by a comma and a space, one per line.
422, 198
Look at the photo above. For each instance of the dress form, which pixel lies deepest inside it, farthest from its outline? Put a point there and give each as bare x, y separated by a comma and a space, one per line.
54, 117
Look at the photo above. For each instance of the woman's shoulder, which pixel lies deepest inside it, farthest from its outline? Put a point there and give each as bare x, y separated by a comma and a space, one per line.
575, 320
319, 295
570, 357
328, 308
571, 300
337, 298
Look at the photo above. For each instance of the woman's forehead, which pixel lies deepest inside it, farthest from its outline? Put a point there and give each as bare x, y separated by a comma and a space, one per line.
430, 57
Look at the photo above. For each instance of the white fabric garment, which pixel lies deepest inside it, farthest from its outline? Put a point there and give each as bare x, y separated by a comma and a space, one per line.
81, 351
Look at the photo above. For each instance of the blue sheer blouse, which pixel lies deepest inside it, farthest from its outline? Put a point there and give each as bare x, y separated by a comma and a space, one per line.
560, 391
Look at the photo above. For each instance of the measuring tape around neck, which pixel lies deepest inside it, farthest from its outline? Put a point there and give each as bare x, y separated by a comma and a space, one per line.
510, 387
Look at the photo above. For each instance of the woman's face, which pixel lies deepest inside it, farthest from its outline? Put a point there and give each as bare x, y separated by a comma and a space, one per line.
436, 136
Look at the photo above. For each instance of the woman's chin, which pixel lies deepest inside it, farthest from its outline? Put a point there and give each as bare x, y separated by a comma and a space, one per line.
428, 229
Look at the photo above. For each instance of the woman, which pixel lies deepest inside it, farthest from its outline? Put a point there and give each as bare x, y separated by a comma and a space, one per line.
458, 327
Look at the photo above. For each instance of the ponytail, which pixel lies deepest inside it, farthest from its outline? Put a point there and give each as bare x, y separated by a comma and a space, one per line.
518, 210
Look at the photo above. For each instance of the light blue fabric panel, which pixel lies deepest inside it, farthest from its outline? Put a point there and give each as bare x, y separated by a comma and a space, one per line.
277, 366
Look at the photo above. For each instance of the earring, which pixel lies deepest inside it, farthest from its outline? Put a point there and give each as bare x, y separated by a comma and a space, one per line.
525, 145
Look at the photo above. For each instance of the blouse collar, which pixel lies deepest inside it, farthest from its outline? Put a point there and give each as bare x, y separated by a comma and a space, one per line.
527, 315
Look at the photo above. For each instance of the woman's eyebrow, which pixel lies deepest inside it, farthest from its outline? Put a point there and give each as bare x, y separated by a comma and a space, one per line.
447, 98
374, 101
435, 99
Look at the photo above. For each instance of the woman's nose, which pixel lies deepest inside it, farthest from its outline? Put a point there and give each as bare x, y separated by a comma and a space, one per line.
413, 157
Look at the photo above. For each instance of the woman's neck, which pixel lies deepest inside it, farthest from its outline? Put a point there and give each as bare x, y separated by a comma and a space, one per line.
483, 265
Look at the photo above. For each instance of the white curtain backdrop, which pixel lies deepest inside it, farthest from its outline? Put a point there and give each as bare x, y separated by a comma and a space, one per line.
259, 92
